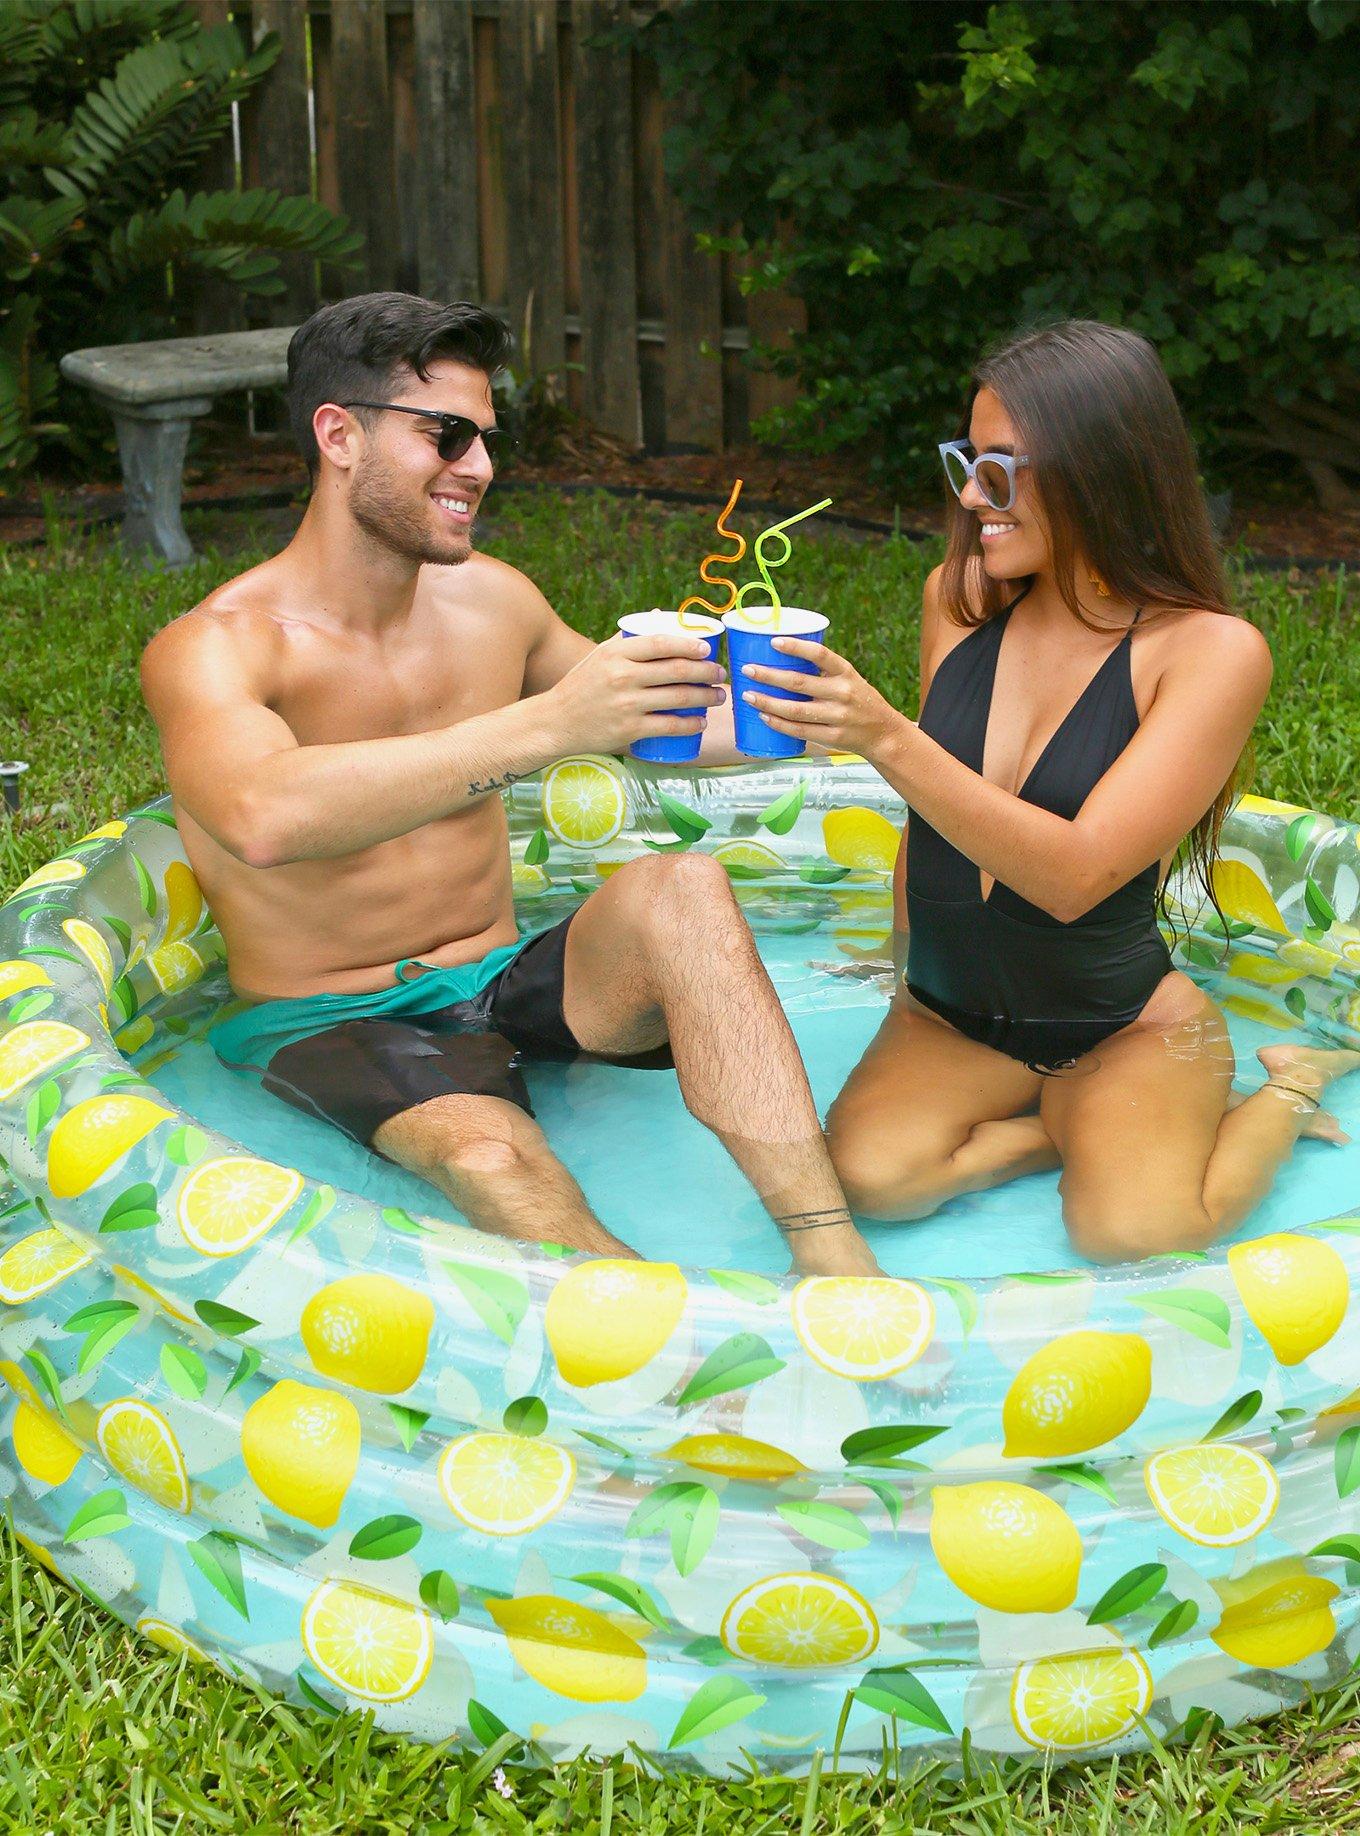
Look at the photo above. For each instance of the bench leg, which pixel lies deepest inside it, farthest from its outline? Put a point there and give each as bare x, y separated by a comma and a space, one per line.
151, 445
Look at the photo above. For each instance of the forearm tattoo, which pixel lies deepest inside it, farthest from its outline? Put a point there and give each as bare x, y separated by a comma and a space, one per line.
812, 1220
479, 786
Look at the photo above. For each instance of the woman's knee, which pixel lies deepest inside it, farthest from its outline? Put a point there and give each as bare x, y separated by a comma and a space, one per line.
880, 1180
1111, 1226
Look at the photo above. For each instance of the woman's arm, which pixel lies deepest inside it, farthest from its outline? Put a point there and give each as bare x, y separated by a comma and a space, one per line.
1205, 706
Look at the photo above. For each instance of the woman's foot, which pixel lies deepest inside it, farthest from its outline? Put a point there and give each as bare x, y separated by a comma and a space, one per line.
1304, 1072
1320, 1125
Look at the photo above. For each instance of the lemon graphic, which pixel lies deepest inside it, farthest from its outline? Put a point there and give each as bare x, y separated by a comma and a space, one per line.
139, 1443
1215, 1494
183, 902
572, 1650
505, 1484
1295, 1290
227, 1204
749, 857
735, 1456
606, 1319
176, 966
107, 831
1275, 1616
366, 1642
368, 1330
93, 948
1263, 970
55, 873
585, 803
171, 1638
144, 1287
36, 1550
132, 1037
1244, 895
863, 1326
41, 1445
799, 1621
1081, 1699
32, 1050
1006, 1546
36, 1263
91, 1138
301, 1447
1306, 958
1078, 1392
16, 975
861, 838
526, 882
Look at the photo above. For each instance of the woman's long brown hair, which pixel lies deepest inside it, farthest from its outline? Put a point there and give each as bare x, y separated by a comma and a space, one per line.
1111, 459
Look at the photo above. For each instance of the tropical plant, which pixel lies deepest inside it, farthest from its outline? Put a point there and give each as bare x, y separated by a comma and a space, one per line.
928, 177
107, 110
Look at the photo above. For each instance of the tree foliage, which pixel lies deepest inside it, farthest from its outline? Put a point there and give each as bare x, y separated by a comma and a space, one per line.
929, 177
107, 108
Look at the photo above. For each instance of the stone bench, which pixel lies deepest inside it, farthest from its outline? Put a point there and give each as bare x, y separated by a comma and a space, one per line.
153, 391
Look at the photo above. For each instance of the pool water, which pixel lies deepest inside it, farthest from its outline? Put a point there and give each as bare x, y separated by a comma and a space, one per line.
662, 1183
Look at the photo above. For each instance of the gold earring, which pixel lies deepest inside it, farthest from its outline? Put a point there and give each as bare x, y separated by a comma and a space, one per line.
1099, 584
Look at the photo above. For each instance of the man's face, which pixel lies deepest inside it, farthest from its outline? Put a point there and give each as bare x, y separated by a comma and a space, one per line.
408, 498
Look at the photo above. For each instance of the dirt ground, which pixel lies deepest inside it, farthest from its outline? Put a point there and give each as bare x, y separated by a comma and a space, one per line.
1276, 517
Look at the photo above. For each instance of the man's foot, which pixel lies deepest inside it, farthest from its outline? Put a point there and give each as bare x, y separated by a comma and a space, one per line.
1306, 1071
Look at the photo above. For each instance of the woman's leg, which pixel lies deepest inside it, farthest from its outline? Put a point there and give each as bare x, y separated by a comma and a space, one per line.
928, 1114
1154, 1159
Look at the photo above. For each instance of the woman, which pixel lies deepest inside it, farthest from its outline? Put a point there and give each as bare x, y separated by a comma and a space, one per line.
1086, 696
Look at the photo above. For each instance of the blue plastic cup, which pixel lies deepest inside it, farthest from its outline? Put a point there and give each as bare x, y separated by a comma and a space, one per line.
673, 748
749, 640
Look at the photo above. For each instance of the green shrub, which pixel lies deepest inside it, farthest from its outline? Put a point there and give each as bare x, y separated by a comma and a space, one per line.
928, 177
107, 108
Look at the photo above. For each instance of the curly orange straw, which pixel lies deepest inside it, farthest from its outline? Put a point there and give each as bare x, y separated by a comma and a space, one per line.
730, 535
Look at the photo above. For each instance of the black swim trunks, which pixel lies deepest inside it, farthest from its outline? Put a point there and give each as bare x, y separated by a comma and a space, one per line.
360, 1073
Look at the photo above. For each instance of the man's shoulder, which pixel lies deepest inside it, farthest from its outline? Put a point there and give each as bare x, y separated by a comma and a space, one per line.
483, 583
240, 616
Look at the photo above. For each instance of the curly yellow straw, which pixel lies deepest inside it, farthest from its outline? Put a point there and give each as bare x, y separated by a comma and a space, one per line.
775, 531
730, 535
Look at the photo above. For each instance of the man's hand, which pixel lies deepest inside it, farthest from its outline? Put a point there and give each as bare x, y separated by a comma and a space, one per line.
614, 695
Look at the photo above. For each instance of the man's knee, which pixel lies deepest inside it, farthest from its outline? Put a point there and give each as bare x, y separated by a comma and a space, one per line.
674, 886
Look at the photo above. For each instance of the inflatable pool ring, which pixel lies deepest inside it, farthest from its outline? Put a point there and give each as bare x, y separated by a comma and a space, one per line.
368, 1458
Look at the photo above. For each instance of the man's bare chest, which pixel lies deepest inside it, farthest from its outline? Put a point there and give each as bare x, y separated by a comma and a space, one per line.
338, 696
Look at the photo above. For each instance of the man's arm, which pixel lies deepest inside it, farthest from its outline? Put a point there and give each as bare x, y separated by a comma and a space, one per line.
237, 768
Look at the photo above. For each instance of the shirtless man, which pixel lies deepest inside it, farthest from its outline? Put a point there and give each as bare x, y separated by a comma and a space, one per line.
337, 725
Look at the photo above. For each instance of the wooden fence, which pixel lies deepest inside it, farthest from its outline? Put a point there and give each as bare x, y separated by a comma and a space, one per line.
509, 151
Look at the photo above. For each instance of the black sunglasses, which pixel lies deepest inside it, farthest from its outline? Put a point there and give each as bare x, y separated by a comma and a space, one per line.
457, 434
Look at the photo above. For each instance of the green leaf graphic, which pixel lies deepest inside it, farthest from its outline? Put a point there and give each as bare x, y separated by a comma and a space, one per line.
439, 1592
779, 817
397, 1219
98, 1313
183, 1370
1082, 1474
963, 1298
409, 1422
122, 1002
693, 1527
30, 1006
219, 1561
1194, 1310
318, 1205
747, 1287
42, 1106
631, 1594
830, 1525
385, 1537
888, 1496
486, 1726
605, 1445
1346, 1548
1296, 1002
146, 887
1174, 1623
1236, 1416
1318, 904
186, 1145
707, 1650
246, 1367
1296, 835
222, 1319
881, 1446
314, 1696
49, 1382
133, 1209
499, 1300
121, 930
1347, 1461
1128, 1593
102, 1339
898, 1692
101, 1515
688, 824
713, 1706
821, 873
741, 1360
537, 851
527, 1415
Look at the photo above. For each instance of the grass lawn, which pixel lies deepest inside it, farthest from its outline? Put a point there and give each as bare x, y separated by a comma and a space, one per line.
99, 1732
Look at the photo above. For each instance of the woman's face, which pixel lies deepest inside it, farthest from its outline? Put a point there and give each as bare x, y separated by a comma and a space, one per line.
1014, 541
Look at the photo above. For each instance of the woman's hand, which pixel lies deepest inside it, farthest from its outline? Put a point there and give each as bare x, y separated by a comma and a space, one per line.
845, 714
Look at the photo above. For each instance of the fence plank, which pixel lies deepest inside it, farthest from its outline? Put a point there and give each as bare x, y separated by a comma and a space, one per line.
364, 150
216, 305
278, 147
533, 181
446, 183
491, 228
604, 171
401, 79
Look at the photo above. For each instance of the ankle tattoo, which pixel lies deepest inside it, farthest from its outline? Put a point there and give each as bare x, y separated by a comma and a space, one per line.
794, 1221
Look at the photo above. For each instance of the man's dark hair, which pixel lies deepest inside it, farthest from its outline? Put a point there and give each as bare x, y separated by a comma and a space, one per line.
358, 349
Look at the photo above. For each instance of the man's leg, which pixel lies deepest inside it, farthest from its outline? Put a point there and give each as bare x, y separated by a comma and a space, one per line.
494, 1163
661, 952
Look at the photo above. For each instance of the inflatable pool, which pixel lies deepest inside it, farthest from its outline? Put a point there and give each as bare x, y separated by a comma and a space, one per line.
282, 1414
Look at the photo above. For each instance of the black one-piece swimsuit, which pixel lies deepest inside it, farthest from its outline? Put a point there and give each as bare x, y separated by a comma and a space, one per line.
1001, 970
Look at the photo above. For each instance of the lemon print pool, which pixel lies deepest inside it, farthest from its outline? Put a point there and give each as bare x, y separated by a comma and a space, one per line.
276, 1407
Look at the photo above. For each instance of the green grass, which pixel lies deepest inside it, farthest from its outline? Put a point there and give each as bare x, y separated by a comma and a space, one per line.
100, 1733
